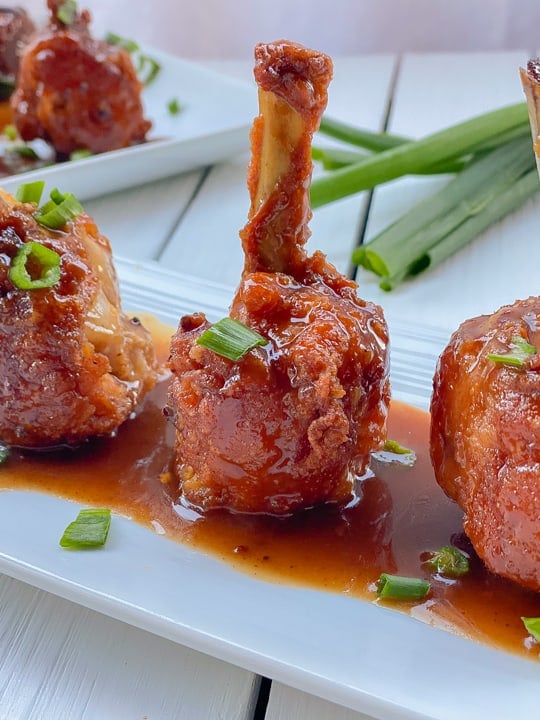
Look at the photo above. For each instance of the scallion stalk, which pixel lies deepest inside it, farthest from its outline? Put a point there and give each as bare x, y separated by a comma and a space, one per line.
30, 192
480, 195
414, 157
398, 587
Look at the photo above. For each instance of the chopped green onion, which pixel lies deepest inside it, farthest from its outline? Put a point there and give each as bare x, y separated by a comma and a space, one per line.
148, 69
90, 529
37, 255
67, 11
532, 625
394, 447
25, 151
10, 131
397, 587
7, 86
80, 154
30, 192
520, 350
4, 454
174, 107
61, 208
129, 45
449, 561
230, 338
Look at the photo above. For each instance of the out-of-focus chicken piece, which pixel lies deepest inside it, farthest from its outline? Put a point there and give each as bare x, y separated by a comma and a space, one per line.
292, 424
72, 364
16, 28
485, 437
530, 81
77, 92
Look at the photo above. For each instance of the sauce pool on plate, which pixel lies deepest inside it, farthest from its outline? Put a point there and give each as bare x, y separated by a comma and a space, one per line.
400, 515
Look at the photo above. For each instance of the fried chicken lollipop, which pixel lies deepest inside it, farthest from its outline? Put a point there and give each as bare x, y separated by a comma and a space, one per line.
72, 364
485, 436
292, 423
16, 27
77, 92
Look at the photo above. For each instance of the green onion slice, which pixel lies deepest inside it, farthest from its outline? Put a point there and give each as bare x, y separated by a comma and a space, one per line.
10, 131
129, 46
61, 208
398, 587
394, 452
532, 625
520, 350
30, 192
67, 11
173, 106
148, 69
449, 561
230, 338
80, 154
89, 529
4, 454
35, 255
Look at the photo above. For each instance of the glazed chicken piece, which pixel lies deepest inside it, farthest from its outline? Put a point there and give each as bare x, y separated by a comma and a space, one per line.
72, 364
77, 92
291, 424
16, 27
485, 436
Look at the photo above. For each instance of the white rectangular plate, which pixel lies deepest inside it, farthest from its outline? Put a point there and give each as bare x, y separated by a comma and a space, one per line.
352, 652
216, 114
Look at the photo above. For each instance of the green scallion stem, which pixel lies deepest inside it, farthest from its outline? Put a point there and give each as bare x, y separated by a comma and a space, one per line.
532, 625
4, 454
230, 338
367, 139
398, 587
36, 256
449, 561
89, 530
30, 192
469, 203
413, 157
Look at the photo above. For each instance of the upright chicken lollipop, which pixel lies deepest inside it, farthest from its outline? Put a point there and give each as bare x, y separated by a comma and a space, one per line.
72, 364
77, 92
485, 423
292, 423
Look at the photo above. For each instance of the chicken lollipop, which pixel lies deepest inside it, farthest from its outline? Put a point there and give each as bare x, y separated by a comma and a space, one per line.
77, 92
292, 423
485, 422
485, 436
72, 364
15, 30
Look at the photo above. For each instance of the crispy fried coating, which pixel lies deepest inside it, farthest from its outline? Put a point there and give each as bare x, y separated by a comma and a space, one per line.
72, 364
290, 425
77, 92
485, 438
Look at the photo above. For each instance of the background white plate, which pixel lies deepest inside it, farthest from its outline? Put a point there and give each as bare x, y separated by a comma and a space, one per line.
217, 112
352, 652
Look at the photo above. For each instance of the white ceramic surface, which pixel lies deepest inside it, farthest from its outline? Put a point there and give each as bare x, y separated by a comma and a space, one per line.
216, 114
352, 652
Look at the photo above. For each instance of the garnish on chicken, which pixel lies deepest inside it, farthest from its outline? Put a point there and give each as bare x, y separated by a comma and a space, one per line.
77, 92
72, 364
291, 424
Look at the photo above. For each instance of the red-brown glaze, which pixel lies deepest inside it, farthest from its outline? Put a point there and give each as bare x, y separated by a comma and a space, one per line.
72, 364
486, 439
15, 29
77, 92
402, 513
291, 424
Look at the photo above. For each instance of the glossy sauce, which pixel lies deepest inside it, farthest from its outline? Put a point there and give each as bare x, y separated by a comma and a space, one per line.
401, 514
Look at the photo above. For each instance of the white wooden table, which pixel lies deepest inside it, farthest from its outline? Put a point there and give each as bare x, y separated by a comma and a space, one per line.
59, 660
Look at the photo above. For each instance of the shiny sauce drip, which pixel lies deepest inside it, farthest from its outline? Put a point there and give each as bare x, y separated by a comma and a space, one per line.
400, 514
